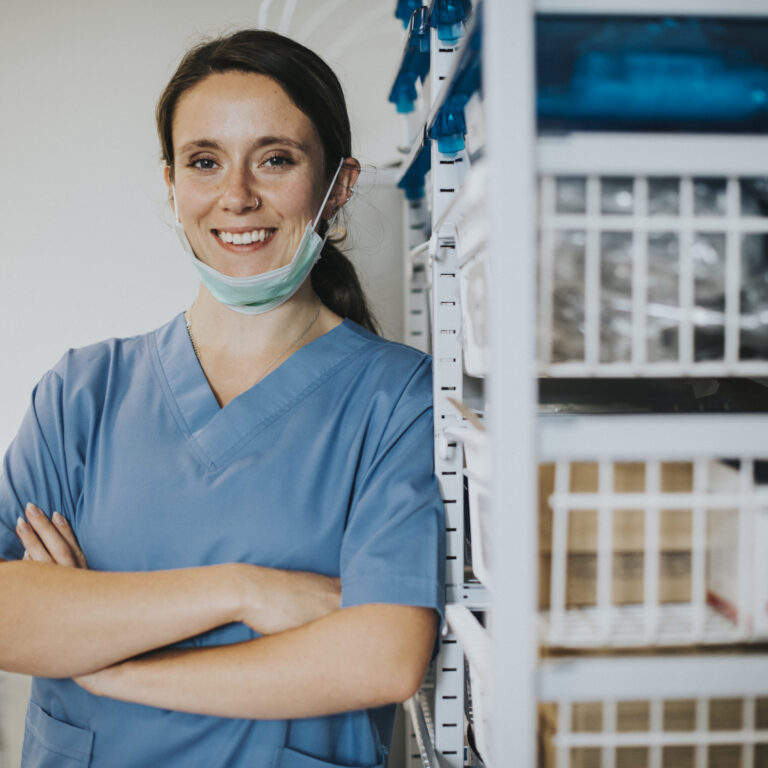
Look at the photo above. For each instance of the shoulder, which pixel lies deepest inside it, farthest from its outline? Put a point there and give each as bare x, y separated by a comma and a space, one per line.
90, 364
87, 374
392, 366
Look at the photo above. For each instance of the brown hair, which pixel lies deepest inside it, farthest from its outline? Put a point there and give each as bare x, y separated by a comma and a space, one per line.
316, 91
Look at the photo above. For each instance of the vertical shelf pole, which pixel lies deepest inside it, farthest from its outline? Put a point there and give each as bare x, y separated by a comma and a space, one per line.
447, 377
508, 77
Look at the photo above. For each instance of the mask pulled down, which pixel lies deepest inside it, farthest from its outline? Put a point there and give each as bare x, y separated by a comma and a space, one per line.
256, 294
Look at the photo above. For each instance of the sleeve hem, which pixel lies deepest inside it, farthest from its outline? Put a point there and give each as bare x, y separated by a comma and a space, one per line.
425, 593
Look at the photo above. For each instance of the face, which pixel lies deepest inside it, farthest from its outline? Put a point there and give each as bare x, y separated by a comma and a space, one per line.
248, 172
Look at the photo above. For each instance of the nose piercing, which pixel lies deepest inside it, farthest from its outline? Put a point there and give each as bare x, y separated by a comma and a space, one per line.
256, 202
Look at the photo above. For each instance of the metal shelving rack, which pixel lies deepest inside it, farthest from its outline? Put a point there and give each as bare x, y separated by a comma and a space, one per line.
609, 709
432, 180
488, 270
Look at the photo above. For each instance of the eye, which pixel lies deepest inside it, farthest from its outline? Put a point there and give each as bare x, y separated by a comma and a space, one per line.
278, 161
203, 163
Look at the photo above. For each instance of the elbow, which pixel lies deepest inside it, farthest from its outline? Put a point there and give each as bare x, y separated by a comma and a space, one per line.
394, 644
404, 675
408, 685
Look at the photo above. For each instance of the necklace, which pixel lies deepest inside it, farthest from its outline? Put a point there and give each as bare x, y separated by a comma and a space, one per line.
271, 363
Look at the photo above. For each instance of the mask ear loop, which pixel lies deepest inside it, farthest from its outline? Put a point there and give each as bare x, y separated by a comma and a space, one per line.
175, 205
327, 195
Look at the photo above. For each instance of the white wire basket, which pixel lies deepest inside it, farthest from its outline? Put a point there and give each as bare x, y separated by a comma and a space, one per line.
670, 712
653, 256
653, 530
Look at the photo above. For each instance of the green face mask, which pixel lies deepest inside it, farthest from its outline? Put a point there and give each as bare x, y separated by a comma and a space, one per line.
259, 293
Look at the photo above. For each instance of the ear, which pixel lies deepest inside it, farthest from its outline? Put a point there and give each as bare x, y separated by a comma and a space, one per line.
169, 184
342, 189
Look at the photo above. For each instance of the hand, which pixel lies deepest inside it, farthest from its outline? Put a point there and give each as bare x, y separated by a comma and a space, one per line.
49, 541
274, 600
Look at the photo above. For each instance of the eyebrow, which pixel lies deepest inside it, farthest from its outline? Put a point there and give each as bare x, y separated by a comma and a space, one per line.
260, 143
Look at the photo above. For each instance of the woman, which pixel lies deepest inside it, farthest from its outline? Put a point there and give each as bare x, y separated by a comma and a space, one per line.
250, 485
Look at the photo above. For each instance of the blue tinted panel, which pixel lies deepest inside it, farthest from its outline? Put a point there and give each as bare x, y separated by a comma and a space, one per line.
652, 73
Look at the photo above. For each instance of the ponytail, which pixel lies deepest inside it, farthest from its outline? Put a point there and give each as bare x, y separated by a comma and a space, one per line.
335, 282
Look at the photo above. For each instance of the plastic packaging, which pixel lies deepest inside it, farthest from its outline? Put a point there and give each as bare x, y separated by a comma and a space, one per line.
568, 287
664, 314
652, 73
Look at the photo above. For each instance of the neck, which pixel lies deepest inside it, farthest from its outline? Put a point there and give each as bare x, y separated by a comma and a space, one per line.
220, 330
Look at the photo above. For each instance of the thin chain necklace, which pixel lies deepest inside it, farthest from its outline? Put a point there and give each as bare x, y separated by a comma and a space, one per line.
268, 367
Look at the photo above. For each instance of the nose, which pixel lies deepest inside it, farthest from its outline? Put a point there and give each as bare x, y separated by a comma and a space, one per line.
239, 194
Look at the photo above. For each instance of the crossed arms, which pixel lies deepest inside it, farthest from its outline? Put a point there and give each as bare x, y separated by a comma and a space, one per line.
105, 629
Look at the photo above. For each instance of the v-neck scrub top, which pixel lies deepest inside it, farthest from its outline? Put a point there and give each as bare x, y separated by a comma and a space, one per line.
325, 465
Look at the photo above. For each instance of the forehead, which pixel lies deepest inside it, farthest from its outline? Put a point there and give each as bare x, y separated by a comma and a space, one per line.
233, 105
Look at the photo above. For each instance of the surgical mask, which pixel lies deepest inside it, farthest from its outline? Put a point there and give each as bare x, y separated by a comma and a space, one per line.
260, 293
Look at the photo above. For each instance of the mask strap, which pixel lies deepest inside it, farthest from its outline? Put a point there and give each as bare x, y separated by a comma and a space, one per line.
327, 195
175, 205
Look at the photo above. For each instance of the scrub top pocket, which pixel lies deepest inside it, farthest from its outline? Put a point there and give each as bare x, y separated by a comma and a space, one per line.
290, 758
50, 743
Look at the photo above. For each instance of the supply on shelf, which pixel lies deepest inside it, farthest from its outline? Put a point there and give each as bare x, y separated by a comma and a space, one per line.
447, 16
653, 544
449, 125
414, 65
404, 10
413, 180
730, 732
671, 270
657, 73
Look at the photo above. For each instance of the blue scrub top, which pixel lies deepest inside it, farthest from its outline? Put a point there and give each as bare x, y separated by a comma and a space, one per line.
325, 465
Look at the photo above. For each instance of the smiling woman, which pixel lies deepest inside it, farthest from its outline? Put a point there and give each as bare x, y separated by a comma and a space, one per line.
241, 176
245, 565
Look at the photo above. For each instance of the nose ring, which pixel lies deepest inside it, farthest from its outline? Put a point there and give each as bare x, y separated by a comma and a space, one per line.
256, 202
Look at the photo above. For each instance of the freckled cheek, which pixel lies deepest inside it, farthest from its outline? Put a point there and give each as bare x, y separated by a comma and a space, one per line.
195, 200
296, 203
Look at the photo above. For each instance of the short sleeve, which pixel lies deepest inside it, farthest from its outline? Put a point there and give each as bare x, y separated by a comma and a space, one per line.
34, 468
393, 547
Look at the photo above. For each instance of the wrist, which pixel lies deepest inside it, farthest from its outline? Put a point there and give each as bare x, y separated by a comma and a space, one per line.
244, 592
232, 593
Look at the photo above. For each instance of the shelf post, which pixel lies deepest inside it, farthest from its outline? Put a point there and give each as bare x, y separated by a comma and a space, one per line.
509, 99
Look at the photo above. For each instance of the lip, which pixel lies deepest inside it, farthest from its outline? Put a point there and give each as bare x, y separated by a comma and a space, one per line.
243, 247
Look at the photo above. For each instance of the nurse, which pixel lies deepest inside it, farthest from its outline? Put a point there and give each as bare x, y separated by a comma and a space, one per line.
243, 564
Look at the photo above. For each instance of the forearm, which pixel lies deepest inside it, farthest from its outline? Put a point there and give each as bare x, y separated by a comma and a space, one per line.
63, 622
359, 657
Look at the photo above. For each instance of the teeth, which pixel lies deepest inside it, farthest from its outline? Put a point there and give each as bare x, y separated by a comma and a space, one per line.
244, 238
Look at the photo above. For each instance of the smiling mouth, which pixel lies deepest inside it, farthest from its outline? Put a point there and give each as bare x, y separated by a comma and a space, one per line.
251, 237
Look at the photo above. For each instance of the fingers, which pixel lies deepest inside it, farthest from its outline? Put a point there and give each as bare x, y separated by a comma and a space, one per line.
33, 547
69, 536
46, 542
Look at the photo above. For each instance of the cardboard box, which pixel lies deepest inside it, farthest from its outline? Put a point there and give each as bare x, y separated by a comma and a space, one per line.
679, 716
628, 536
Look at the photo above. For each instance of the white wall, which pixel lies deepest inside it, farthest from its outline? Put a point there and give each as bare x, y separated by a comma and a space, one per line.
85, 249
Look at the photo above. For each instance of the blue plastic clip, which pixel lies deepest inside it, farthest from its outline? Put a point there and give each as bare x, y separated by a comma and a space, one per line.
448, 16
449, 125
415, 62
412, 183
405, 9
